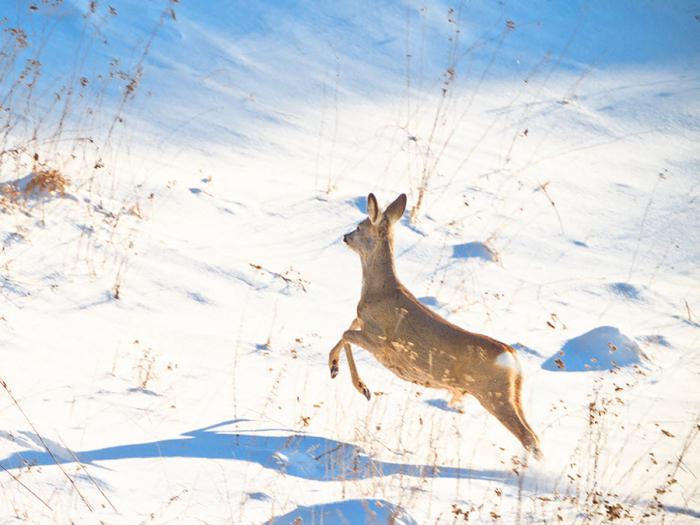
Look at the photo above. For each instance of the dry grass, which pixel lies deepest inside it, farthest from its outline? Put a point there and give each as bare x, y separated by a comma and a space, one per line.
42, 183
49, 181
58, 121
9, 197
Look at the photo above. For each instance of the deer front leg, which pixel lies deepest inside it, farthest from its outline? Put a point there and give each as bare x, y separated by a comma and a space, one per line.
333, 358
334, 355
365, 340
356, 381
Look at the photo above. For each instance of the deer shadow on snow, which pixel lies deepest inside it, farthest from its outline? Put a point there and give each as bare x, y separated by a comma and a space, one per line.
294, 454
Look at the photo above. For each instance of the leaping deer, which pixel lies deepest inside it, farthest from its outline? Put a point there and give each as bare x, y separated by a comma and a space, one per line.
418, 345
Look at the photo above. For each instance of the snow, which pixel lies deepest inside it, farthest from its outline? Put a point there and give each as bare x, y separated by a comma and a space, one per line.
561, 215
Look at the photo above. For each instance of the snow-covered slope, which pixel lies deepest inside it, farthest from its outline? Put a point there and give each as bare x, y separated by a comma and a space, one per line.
165, 324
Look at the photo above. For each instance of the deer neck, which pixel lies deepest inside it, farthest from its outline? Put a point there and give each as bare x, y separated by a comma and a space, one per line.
379, 272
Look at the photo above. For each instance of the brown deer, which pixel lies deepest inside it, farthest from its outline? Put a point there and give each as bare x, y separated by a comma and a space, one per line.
418, 345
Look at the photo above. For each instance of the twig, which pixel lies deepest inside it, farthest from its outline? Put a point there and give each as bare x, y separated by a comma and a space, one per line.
297, 282
80, 464
48, 450
449, 79
671, 477
543, 187
27, 488
327, 452
641, 227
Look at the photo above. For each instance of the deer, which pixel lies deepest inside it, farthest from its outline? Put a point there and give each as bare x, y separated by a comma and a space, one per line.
418, 345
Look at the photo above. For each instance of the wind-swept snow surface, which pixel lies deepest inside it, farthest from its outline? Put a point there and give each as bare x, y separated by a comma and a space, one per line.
165, 320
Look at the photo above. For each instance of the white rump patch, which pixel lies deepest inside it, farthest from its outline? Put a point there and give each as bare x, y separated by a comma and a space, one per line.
508, 360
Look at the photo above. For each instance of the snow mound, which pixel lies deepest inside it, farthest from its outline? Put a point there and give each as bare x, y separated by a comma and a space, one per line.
602, 348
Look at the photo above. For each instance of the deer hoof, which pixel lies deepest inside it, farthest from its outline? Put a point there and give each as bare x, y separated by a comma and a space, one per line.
365, 392
334, 369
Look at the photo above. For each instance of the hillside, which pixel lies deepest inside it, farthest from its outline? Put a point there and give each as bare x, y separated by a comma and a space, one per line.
166, 317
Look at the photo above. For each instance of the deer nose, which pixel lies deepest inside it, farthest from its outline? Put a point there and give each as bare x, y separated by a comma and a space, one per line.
345, 238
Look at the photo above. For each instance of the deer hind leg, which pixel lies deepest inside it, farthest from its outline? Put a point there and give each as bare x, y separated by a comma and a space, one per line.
500, 402
356, 381
518, 384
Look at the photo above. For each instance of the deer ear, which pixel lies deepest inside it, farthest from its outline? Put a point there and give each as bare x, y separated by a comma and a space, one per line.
395, 210
373, 209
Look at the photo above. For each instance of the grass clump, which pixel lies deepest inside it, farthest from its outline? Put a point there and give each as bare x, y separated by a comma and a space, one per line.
50, 181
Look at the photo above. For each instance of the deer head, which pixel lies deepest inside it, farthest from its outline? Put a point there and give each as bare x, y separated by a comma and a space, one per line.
375, 233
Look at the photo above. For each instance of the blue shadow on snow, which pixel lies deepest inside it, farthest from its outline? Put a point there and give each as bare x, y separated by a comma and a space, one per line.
625, 290
368, 511
473, 250
300, 455
441, 404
